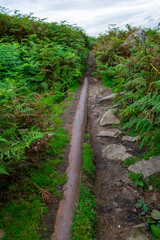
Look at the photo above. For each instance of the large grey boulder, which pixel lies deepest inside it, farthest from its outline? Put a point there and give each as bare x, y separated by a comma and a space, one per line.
138, 34
115, 152
113, 132
109, 118
146, 167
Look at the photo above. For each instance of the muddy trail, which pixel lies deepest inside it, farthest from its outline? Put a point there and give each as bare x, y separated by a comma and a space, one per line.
116, 196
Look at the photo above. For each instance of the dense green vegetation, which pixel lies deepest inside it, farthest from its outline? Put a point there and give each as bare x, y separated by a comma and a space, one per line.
40, 63
85, 216
130, 63
24, 200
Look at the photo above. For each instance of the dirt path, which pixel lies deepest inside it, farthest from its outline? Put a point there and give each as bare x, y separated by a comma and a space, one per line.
115, 195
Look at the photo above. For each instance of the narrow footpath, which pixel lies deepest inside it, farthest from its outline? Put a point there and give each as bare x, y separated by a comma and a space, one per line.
116, 196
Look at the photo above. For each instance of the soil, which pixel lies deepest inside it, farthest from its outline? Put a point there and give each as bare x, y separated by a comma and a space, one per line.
116, 196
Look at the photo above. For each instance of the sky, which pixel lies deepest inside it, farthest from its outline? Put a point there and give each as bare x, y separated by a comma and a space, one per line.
93, 16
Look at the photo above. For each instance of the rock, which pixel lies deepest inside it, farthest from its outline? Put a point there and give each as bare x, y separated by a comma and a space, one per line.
155, 214
2, 233
154, 197
150, 188
110, 133
109, 118
107, 98
134, 210
118, 210
130, 139
115, 152
115, 105
137, 236
141, 225
137, 34
115, 204
146, 167
51, 135
119, 184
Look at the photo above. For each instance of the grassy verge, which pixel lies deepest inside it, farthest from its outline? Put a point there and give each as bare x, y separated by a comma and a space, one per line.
28, 193
83, 227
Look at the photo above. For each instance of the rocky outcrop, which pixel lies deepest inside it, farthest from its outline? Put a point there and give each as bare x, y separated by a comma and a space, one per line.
138, 34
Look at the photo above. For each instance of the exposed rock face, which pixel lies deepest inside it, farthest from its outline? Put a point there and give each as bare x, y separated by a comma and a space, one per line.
138, 34
109, 118
115, 152
146, 167
109, 133
130, 139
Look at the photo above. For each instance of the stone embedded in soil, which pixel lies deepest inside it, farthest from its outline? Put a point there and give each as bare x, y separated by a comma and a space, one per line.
115, 204
109, 133
146, 167
115, 105
119, 184
138, 236
107, 98
2, 233
140, 225
115, 152
154, 197
109, 118
130, 139
150, 188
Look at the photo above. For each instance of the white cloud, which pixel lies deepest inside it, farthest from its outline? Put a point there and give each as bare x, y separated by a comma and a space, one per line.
93, 16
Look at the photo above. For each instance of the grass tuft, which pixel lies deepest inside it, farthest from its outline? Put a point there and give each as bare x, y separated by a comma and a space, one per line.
87, 165
83, 227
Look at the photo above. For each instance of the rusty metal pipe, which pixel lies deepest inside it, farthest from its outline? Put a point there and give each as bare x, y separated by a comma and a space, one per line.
71, 189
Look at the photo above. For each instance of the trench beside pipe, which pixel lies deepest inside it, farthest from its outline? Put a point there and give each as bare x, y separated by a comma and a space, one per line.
71, 189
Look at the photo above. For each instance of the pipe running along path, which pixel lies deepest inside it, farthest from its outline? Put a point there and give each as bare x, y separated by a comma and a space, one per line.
71, 189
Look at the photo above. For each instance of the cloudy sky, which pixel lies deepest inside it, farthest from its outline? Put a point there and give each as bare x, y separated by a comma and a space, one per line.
93, 16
